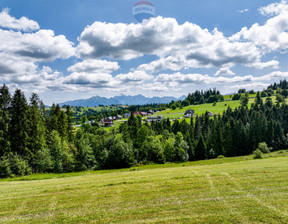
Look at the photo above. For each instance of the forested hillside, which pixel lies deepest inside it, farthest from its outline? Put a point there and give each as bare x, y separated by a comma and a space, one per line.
34, 140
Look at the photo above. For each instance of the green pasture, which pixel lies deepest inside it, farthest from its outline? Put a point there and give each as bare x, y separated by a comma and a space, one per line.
228, 190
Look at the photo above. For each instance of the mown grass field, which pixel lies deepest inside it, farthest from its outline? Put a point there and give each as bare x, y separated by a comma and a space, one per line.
228, 190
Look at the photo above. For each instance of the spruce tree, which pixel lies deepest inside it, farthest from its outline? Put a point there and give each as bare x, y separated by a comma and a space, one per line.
19, 125
5, 100
70, 119
36, 126
200, 149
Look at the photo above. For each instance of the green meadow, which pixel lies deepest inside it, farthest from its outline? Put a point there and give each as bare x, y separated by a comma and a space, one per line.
227, 190
201, 109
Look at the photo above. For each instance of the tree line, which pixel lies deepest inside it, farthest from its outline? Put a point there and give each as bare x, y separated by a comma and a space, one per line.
36, 140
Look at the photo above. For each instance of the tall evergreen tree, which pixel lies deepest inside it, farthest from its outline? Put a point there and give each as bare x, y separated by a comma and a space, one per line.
200, 149
19, 125
5, 100
36, 126
70, 120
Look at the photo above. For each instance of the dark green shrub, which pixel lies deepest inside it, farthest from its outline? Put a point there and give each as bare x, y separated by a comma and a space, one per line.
19, 166
5, 170
257, 154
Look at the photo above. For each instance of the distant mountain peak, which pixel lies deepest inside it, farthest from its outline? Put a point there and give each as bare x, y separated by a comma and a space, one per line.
120, 100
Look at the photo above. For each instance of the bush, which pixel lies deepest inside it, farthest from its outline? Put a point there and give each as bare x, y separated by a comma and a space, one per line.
5, 170
42, 161
257, 154
19, 166
263, 147
220, 157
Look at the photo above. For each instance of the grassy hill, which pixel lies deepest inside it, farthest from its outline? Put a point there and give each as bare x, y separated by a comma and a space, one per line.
201, 109
228, 190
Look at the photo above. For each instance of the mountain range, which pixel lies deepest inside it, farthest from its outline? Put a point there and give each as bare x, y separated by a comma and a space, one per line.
120, 100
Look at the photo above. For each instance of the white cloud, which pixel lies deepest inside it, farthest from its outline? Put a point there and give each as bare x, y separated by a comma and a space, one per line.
224, 71
21, 54
274, 8
169, 63
92, 65
243, 10
23, 23
133, 77
177, 46
183, 78
90, 79
40, 46
186, 79
273, 35
263, 65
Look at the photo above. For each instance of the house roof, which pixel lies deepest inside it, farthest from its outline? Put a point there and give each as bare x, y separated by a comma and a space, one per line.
107, 121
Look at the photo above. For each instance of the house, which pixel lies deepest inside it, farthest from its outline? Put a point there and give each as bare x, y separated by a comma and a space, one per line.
136, 113
189, 113
210, 114
127, 115
150, 112
155, 119
118, 117
106, 122
143, 114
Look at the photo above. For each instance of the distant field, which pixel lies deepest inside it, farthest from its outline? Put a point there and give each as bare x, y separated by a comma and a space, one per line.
229, 190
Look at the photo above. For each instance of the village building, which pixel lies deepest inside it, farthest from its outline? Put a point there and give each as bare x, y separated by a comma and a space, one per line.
189, 113
150, 112
106, 122
155, 119
143, 114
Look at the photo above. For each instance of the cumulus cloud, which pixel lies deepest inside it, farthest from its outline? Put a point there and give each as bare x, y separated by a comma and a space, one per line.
263, 65
90, 79
133, 77
176, 45
224, 71
25, 24
273, 35
42, 45
274, 8
21, 53
169, 63
187, 79
91, 65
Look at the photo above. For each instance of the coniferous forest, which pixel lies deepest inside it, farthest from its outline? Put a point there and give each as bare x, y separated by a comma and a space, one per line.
36, 140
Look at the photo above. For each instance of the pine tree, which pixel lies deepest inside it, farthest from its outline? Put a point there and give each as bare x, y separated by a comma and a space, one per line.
200, 149
133, 125
36, 126
5, 100
70, 119
19, 125
62, 126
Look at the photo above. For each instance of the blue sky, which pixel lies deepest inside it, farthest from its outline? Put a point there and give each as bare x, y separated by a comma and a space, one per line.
71, 49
